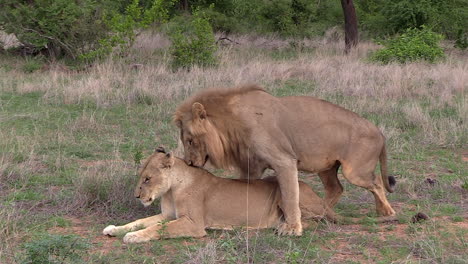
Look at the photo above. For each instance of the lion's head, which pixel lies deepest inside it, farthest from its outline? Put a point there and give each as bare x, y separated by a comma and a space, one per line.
155, 177
194, 134
209, 129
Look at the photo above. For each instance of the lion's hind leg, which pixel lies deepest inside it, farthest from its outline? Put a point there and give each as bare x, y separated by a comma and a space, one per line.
113, 230
333, 187
362, 174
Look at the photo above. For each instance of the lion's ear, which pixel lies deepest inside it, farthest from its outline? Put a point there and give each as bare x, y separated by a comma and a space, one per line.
198, 111
178, 123
178, 119
168, 161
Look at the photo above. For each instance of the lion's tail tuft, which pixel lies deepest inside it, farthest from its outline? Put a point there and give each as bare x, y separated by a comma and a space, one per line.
389, 181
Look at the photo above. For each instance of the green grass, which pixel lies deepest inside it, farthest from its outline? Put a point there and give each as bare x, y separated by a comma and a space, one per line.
69, 167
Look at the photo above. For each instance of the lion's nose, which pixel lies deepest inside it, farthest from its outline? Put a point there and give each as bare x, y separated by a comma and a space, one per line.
137, 196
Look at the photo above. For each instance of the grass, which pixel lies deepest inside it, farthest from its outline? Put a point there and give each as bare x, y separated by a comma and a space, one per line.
68, 141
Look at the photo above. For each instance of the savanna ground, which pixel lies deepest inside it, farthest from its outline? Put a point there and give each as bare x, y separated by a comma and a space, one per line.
68, 141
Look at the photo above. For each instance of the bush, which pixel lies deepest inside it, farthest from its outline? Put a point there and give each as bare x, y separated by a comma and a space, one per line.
414, 44
380, 17
123, 27
461, 41
286, 17
49, 249
193, 43
300, 17
59, 27
85, 29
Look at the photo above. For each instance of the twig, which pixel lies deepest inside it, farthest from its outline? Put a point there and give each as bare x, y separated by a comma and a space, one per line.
52, 38
228, 39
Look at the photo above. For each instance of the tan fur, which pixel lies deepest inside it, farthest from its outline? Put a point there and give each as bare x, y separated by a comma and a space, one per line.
249, 129
192, 199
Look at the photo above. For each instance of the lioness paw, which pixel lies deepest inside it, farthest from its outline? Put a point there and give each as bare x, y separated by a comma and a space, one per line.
135, 237
109, 230
285, 229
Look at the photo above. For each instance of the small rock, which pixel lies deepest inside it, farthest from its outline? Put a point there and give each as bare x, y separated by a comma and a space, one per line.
136, 66
419, 217
450, 170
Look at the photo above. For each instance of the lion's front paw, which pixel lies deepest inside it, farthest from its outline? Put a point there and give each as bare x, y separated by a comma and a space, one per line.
286, 229
135, 237
110, 230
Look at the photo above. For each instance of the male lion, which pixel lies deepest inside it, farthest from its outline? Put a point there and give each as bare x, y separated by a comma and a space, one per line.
249, 129
193, 199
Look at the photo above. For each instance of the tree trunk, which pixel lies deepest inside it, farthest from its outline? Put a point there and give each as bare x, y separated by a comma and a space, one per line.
184, 5
351, 31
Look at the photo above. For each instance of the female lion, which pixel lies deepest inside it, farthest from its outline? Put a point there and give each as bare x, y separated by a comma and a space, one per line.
193, 199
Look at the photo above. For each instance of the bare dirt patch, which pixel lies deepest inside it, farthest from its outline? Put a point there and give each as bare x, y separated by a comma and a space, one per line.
82, 227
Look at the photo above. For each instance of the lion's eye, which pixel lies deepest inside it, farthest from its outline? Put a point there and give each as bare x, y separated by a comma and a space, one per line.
146, 180
190, 142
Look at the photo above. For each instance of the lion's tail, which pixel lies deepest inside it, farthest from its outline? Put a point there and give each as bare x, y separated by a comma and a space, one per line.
389, 181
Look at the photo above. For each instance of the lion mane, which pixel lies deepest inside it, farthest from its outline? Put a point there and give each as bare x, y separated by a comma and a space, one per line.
227, 145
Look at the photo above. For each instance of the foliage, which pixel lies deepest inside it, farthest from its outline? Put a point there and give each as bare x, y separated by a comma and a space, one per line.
55, 249
193, 42
286, 17
137, 156
461, 41
414, 44
85, 29
380, 17
32, 65
60, 27
123, 26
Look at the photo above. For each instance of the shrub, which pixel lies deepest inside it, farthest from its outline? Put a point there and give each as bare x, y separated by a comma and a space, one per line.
462, 40
86, 29
286, 17
55, 249
193, 43
381, 18
404, 14
123, 27
59, 27
414, 44
300, 17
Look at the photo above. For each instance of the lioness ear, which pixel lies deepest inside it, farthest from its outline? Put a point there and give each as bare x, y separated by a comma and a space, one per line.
168, 161
198, 111
160, 149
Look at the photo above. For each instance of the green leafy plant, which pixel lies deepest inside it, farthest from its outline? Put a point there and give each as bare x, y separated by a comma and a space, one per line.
55, 249
462, 40
56, 27
193, 43
414, 44
381, 18
137, 156
125, 27
75, 29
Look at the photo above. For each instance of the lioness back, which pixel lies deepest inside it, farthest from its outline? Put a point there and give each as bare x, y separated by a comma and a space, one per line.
238, 203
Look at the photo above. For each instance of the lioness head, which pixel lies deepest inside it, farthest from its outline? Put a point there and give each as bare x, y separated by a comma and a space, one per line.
193, 133
155, 177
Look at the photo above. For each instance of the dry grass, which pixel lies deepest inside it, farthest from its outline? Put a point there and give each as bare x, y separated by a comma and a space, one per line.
376, 89
327, 66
